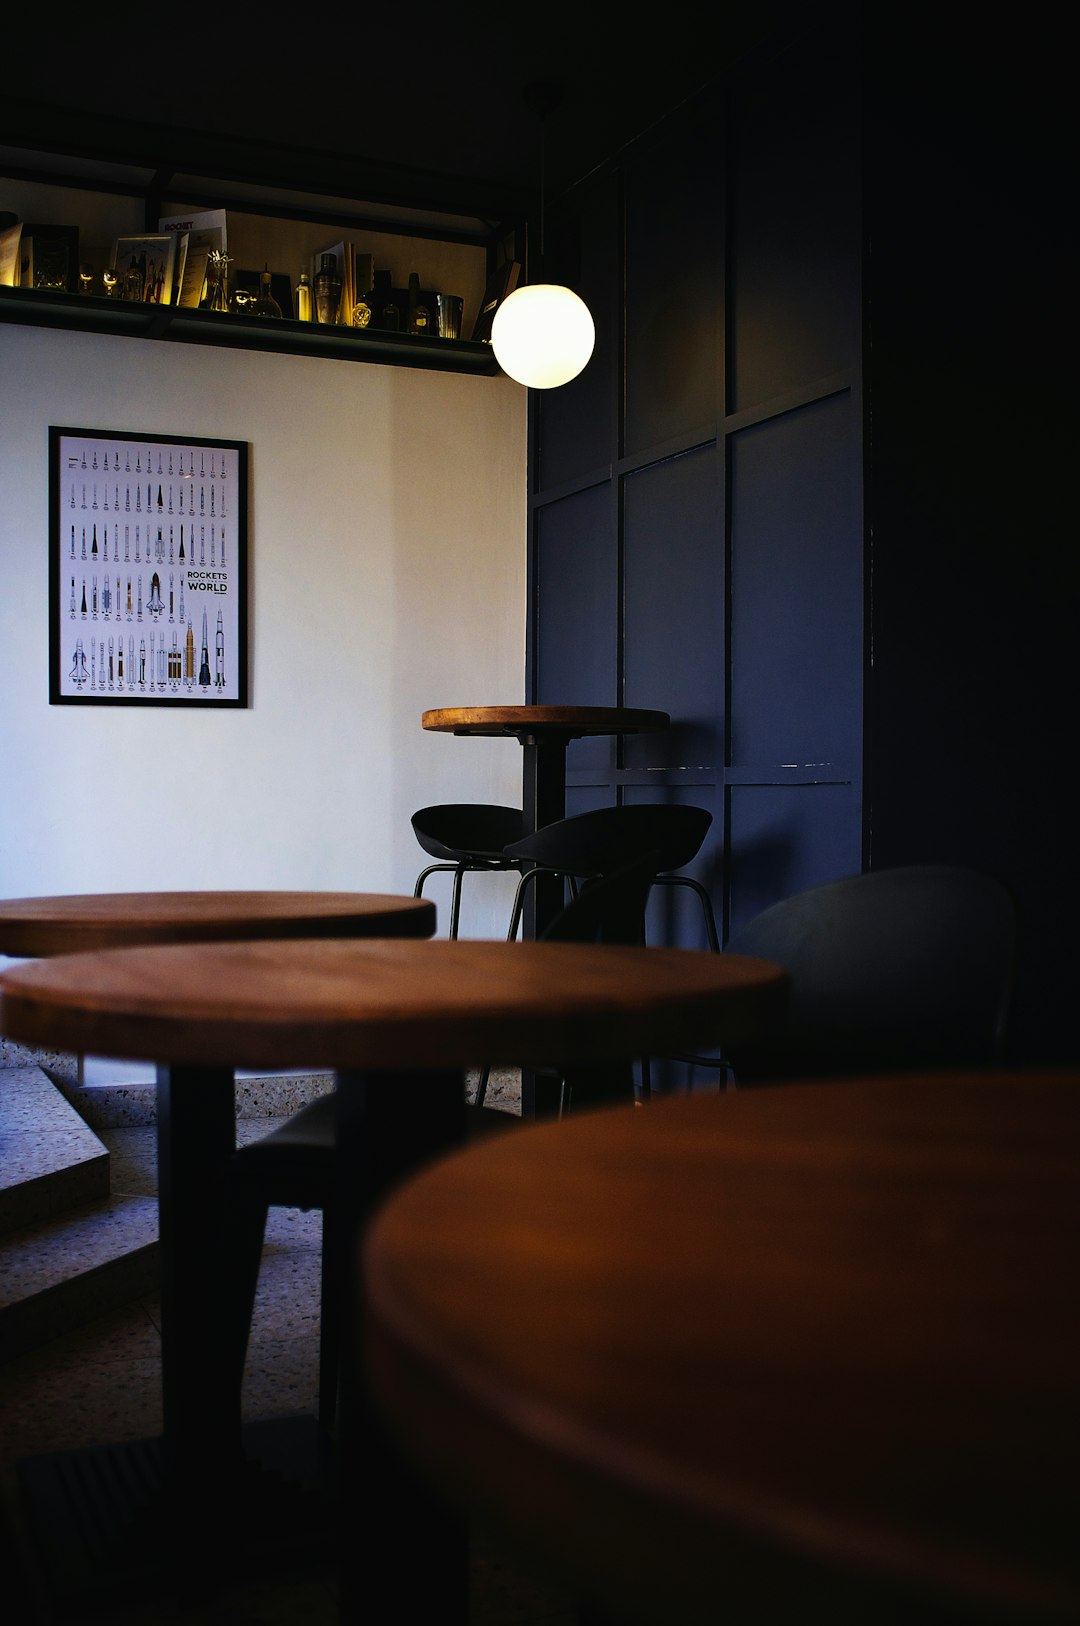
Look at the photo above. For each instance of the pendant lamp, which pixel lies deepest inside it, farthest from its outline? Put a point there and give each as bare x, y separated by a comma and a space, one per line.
543, 333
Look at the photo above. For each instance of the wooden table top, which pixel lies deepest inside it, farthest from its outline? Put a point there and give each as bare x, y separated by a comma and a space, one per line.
766, 1347
60, 925
378, 1003
574, 721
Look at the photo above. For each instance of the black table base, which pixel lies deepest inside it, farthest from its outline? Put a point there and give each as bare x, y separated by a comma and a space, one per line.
105, 1524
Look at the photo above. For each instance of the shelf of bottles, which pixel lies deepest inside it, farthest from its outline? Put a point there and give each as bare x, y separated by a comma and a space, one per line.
240, 329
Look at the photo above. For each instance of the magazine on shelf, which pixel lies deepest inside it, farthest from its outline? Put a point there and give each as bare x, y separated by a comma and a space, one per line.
10, 244
191, 275
501, 285
203, 228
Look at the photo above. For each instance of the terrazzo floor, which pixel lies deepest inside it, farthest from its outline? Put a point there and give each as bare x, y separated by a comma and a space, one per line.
101, 1383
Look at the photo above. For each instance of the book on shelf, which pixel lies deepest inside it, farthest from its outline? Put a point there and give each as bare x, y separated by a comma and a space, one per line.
10, 246
191, 276
501, 284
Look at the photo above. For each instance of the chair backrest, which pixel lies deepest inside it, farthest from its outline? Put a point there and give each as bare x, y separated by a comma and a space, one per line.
609, 838
610, 909
893, 970
457, 830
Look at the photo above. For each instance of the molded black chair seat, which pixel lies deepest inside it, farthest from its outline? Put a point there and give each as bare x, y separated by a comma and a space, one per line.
295, 1166
593, 844
466, 836
893, 970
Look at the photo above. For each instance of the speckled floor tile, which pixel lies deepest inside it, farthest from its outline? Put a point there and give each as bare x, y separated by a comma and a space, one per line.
49, 1158
48, 1252
102, 1383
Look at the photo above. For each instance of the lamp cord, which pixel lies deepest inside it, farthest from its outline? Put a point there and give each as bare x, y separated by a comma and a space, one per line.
542, 98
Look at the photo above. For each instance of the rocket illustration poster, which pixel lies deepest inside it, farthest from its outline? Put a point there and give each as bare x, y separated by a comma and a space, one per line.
147, 569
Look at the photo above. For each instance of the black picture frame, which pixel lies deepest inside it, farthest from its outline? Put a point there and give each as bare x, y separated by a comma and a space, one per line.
58, 241
148, 569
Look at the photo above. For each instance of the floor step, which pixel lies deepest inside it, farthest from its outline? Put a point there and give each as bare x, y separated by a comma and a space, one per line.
51, 1161
65, 1271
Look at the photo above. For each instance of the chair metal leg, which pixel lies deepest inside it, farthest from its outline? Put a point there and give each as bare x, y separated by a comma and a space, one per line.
706, 904
418, 889
519, 904
455, 901
522, 886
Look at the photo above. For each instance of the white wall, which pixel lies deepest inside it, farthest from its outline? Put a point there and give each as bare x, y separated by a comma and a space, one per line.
387, 542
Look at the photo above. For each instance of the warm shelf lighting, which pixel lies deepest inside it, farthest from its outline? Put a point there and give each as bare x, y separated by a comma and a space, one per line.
542, 335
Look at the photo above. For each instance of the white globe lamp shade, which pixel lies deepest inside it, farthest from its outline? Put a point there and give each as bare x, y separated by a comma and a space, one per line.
542, 335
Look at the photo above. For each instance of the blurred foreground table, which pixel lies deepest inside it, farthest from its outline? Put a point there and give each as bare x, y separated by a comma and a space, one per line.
808, 1353
398, 1022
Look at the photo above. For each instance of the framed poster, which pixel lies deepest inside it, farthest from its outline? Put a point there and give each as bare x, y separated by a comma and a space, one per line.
150, 262
147, 569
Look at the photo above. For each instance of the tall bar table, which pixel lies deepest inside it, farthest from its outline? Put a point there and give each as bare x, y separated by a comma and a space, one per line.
543, 732
398, 1022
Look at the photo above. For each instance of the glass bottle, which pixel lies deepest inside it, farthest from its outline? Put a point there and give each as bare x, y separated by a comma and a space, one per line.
419, 314
133, 281
303, 298
264, 303
327, 288
385, 311
361, 311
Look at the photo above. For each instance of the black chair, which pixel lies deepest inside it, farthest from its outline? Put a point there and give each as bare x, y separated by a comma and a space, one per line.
295, 1165
604, 909
893, 970
466, 836
593, 844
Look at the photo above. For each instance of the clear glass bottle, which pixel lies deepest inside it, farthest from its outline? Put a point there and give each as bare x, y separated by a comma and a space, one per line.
304, 311
132, 287
264, 303
327, 289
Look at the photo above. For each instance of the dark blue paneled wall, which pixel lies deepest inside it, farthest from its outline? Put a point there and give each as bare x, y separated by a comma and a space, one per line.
697, 524
811, 494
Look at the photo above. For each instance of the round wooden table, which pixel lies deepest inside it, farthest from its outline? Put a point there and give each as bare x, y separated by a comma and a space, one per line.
809, 1353
32, 927
398, 1022
543, 732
